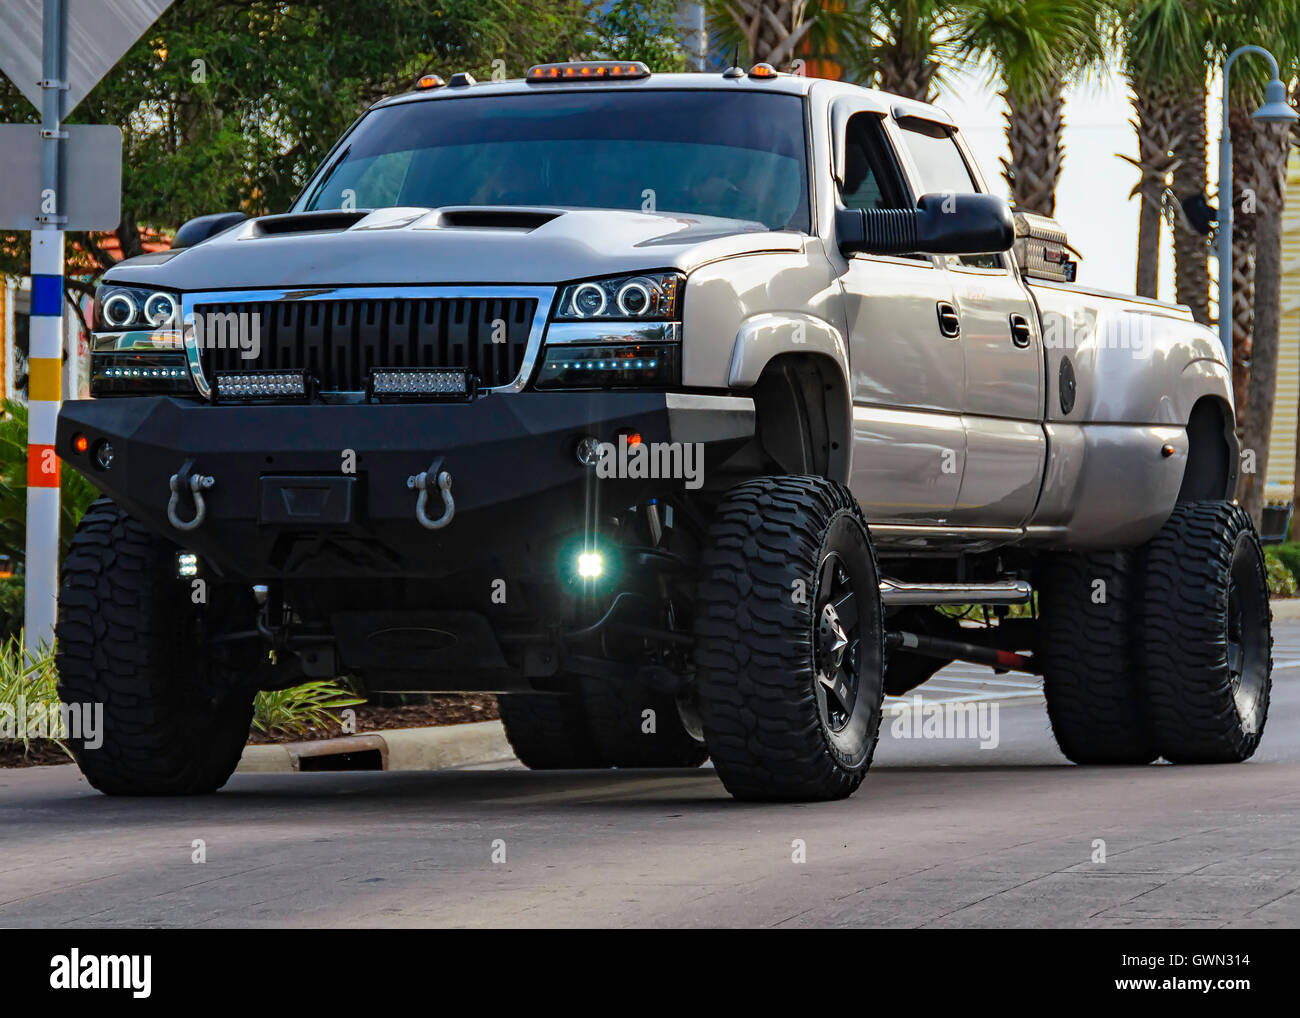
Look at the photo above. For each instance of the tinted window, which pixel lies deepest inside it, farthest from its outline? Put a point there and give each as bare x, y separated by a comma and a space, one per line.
939, 161
735, 155
870, 177
943, 170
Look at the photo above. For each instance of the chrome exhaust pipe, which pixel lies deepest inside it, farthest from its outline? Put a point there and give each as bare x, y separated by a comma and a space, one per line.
896, 593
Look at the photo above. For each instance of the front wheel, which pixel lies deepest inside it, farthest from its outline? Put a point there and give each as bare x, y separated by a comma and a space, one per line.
1205, 635
133, 643
790, 641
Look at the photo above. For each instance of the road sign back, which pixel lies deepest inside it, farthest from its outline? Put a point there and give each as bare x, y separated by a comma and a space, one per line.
98, 33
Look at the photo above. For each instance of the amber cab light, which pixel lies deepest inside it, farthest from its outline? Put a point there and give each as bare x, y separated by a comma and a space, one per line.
588, 70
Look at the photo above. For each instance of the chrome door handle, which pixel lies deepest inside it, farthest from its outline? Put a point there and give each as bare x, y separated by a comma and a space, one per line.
1021, 334
949, 320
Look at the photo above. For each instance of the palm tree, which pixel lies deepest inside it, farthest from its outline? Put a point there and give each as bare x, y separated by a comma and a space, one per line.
1260, 154
907, 46
777, 31
1190, 173
1037, 46
1165, 47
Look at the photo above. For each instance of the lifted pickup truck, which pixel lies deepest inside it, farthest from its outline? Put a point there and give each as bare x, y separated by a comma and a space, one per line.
672, 408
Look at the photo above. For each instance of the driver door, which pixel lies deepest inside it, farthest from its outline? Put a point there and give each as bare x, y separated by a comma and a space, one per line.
904, 352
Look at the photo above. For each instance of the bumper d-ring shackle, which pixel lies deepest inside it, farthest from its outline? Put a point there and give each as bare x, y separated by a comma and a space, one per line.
421, 482
197, 483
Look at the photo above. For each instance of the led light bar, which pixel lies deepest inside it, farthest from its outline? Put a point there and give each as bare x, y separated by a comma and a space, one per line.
238, 386
136, 374
608, 366
392, 384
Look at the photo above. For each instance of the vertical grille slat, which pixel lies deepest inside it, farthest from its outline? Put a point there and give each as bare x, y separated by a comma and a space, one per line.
340, 341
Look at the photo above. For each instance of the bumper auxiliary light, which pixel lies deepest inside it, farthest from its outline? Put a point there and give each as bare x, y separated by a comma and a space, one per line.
252, 385
390, 384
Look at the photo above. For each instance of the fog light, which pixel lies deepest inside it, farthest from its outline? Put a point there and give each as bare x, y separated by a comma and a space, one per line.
591, 565
104, 455
588, 451
187, 565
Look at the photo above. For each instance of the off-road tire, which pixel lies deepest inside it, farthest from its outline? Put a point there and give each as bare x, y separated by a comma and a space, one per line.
616, 718
1091, 681
757, 641
128, 639
548, 731
1199, 713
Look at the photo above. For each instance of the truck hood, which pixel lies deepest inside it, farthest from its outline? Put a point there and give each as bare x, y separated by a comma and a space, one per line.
422, 246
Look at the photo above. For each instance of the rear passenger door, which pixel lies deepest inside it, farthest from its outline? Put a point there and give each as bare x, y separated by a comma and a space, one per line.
904, 352
1002, 352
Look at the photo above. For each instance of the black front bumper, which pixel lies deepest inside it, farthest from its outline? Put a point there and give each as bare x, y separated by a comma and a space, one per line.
516, 478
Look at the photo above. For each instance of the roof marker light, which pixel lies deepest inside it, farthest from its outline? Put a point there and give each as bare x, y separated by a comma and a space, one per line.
762, 71
588, 70
428, 81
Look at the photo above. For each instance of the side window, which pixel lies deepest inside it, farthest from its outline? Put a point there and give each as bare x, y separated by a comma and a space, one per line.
871, 177
943, 170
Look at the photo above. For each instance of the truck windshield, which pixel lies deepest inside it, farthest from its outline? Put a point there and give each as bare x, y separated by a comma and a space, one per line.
737, 155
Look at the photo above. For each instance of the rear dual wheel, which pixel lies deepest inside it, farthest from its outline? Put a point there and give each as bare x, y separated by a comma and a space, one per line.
1165, 651
608, 724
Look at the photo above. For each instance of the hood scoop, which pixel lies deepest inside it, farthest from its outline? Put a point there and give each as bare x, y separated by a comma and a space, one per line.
490, 218
307, 222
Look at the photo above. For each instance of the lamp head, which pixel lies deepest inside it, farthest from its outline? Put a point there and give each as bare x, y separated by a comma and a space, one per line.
1276, 109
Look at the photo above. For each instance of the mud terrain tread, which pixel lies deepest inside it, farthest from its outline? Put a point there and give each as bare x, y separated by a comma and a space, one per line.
1091, 680
1183, 646
614, 718
754, 643
548, 731
120, 643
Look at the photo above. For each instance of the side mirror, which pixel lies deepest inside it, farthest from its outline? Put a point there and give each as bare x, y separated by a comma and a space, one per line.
956, 224
197, 230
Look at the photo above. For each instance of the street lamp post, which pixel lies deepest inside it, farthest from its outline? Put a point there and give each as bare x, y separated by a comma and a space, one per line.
1276, 110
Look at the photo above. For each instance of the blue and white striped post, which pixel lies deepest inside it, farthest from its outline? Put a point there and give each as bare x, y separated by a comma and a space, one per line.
45, 366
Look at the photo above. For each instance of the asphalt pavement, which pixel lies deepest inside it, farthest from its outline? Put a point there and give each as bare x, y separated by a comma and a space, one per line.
984, 827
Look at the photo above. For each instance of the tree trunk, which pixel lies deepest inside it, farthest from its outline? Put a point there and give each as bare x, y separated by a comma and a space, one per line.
1035, 129
1257, 422
1191, 248
1158, 134
773, 28
1246, 206
905, 72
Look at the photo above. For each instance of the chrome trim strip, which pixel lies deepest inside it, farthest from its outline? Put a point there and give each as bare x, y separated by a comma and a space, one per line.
544, 295
704, 401
895, 592
559, 333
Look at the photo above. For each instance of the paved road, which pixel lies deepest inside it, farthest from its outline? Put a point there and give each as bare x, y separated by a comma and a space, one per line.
942, 833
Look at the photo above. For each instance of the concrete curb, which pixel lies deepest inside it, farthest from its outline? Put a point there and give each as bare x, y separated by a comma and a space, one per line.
400, 749
1286, 608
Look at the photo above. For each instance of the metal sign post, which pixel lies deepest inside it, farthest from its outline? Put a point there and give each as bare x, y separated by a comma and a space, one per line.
44, 387
79, 42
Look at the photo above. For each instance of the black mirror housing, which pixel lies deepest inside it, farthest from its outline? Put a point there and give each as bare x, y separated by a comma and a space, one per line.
201, 228
956, 224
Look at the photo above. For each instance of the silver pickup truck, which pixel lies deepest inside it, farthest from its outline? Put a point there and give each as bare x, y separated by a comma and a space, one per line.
691, 414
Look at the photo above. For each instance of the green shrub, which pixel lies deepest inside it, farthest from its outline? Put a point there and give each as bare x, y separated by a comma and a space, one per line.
77, 492
1289, 554
1281, 578
298, 710
11, 607
29, 678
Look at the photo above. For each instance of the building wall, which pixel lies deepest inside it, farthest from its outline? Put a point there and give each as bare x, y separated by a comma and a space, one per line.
1282, 442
